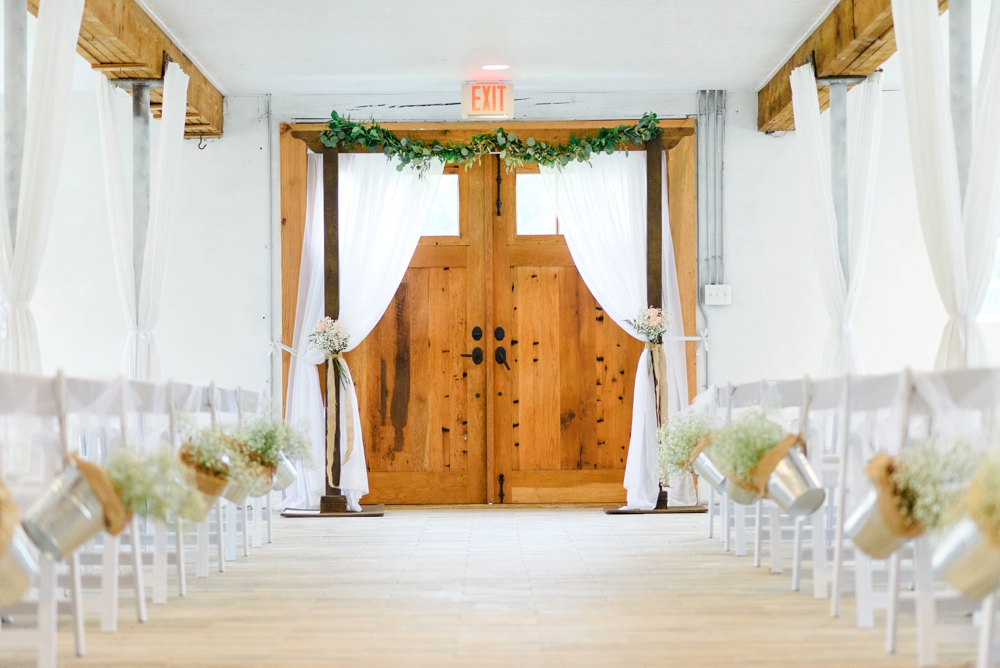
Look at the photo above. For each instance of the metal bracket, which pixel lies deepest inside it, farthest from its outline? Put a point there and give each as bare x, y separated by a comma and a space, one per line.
847, 81
126, 84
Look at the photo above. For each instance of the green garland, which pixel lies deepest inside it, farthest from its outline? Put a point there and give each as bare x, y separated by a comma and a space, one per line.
514, 151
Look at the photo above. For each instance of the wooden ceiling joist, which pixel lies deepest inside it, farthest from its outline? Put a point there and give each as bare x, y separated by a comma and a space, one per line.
119, 39
854, 40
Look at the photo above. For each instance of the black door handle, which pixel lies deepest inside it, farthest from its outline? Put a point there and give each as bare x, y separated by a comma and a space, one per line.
500, 355
476, 355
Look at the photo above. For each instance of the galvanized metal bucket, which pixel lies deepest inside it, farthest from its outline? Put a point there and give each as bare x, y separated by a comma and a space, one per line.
18, 570
285, 475
704, 467
869, 532
794, 486
261, 486
968, 561
740, 495
66, 516
237, 490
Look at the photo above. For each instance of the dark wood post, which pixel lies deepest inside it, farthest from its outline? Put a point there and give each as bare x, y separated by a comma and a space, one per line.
333, 501
654, 223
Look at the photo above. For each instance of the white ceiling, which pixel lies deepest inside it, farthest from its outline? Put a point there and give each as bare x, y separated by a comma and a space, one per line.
430, 46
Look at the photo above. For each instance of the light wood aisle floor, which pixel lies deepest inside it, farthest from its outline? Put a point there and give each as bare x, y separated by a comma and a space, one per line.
494, 586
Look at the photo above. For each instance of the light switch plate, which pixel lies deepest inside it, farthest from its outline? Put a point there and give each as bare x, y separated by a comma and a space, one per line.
718, 295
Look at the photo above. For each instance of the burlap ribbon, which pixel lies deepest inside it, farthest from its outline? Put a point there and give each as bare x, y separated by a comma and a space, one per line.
9, 519
879, 470
332, 385
703, 444
116, 516
208, 484
659, 359
974, 504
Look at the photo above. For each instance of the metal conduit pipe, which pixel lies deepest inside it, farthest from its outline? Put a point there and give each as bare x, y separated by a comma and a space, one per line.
711, 135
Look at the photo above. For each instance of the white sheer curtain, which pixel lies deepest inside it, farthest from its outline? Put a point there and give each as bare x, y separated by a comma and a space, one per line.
601, 208
381, 214
841, 352
140, 359
961, 238
303, 399
44, 140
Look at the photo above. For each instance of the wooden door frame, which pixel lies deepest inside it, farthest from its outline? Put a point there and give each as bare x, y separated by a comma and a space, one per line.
677, 140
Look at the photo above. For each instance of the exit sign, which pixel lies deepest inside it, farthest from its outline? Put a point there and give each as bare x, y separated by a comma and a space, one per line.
487, 100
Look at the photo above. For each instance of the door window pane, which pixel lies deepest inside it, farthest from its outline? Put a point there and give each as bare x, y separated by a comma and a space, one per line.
443, 218
535, 214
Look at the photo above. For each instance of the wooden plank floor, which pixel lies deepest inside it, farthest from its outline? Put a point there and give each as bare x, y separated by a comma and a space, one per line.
490, 587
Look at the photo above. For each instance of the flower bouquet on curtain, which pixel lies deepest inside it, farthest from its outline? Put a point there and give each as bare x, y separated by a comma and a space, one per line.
678, 437
652, 323
18, 567
205, 464
760, 460
969, 556
332, 338
918, 490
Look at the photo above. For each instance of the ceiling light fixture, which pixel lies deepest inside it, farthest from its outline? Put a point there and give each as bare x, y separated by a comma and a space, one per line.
496, 67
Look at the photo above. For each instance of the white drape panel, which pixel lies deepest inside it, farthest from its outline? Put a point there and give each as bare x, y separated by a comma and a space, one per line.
601, 208
141, 360
44, 140
841, 352
381, 214
682, 489
961, 240
303, 399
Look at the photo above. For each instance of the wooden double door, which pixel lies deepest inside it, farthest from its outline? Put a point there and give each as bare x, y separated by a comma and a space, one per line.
494, 359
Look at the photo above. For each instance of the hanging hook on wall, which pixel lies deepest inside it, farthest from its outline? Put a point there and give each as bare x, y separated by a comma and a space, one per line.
202, 143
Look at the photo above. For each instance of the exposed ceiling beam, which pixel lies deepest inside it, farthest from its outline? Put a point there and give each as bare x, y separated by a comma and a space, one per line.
854, 40
118, 38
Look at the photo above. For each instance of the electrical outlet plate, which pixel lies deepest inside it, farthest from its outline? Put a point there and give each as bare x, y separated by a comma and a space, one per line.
718, 295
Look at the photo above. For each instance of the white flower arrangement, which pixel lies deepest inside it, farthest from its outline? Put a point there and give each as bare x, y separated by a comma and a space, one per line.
678, 438
330, 336
930, 478
652, 322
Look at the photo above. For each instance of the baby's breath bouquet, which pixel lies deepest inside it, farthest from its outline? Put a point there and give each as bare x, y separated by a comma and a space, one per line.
149, 485
652, 322
678, 438
206, 451
737, 448
330, 337
929, 478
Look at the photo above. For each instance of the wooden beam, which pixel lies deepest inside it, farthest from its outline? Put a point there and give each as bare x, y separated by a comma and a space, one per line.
118, 38
333, 501
854, 40
654, 223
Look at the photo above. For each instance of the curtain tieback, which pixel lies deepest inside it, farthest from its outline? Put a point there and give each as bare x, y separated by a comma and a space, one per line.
659, 362
336, 361
276, 345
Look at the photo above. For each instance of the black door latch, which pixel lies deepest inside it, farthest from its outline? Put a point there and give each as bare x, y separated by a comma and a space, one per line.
476, 355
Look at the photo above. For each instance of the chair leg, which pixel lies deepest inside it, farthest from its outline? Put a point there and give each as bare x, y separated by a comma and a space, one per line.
230, 531
246, 530
110, 570
820, 555
160, 564
267, 508
219, 532
201, 567
79, 638
892, 605
777, 565
48, 614
740, 518
758, 533
985, 651
710, 513
864, 598
924, 576
257, 523
727, 530
181, 565
138, 572
797, 556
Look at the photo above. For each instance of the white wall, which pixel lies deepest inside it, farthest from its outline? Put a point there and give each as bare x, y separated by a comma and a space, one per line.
777, 324
215, 317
